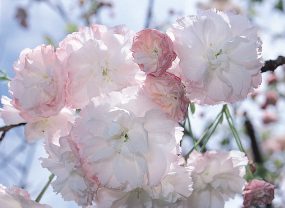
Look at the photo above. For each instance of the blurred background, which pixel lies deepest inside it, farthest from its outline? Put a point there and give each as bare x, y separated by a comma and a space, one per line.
260, 119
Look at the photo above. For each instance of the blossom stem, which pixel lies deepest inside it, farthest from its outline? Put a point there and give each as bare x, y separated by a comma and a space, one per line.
207, 134
236, 135
232, 127
39, 197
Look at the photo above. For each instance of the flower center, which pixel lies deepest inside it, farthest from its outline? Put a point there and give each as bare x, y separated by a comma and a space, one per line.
217, 59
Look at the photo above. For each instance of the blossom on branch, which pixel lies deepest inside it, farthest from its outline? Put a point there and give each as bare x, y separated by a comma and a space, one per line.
217, 177
38, 87
168, 93
258, 193
98, 60
153, 51
220, 56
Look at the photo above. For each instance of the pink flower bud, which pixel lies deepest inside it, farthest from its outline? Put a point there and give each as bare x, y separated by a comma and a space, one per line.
258, 193
153, 51
168, 93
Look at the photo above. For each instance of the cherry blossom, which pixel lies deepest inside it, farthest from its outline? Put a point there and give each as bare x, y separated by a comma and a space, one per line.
38, 87
258, 193
168, 93
217, 177
98, 60
153, 51
17, 198
112, 138
220, 56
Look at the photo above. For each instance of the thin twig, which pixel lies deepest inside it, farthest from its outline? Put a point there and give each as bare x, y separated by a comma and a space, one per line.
5, 129
271, 65
149, 14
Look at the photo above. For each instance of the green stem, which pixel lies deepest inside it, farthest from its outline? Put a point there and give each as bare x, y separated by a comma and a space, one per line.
233, 129
39, 197
207, 134
236, 135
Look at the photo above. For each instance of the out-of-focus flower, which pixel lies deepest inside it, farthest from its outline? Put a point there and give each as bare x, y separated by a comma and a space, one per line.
71, 181
217, 177
220, 56
136, 149
258, 193
171, 192
168, 93
271, 98
38, 87
269, 117
272, 79
98, 60
153, 51
17, 198
275, 144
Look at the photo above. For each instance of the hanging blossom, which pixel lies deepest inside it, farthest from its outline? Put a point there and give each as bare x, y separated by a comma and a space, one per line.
168, 93
71, 181
217, 177
98, 60
137, 150
258, 193
17, 198
220, 56
153, 51
171, 192
38, 88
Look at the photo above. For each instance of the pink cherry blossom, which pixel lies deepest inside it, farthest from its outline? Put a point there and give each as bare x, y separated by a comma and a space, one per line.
258, 193
38, 87
98, 60
217, 177
137, 149
71, 180
15, 197
153, 51
220, 56
168, 93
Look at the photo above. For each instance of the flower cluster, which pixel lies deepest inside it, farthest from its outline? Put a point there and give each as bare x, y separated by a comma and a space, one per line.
109, 103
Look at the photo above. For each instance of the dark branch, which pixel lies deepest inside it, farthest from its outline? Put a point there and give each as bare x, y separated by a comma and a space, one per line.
149, 14
271, 65
5, 129
254, 145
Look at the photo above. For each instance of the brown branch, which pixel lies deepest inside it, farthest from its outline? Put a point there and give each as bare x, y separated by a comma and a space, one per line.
254, 145
5, 129
149, 14
271, 65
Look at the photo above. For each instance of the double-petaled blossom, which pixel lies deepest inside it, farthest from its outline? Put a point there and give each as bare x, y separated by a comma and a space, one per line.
171, 192
38, 88
50, 128
258, 193
17, 198
168, 93
220, 56
98, 60
153, 51
71, 181
113, 138
217, 177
